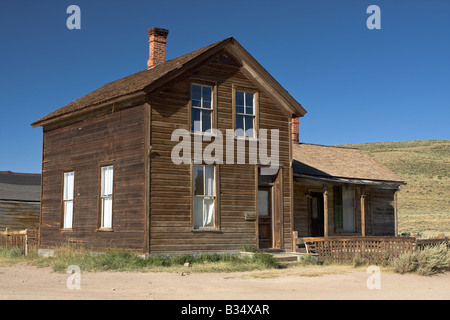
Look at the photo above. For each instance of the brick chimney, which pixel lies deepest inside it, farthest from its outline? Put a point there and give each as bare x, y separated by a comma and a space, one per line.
295, 130
157, 46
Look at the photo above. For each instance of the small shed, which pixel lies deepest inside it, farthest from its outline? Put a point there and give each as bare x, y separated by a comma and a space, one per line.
20, 195
342, 191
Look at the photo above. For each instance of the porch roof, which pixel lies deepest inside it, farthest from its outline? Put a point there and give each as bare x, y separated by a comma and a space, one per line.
340, 165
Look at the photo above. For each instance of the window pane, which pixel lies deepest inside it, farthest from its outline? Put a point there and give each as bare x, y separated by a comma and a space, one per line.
207, 96
198, 180
107, 181
249, 103
209, 181
196, 94
263, 203
198, 212
196, 123
239, 124
107, 213
249, 126
239, 99
68, 214
206, 120
349, 210
68, 185
208, 213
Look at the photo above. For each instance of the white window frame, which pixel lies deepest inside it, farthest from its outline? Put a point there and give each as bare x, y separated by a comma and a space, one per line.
68, 197
202, 109
202, 219
245, 114
106, 197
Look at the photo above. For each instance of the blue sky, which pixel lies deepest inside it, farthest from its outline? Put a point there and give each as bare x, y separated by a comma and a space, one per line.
358, 85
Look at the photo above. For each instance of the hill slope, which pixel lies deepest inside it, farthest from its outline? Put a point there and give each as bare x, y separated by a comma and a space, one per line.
424, 203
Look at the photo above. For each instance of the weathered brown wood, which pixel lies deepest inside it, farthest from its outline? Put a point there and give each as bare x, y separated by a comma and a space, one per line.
363, 213
325, 211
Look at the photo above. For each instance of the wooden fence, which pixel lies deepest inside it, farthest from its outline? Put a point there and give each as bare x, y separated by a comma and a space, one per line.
23, 239
374, 249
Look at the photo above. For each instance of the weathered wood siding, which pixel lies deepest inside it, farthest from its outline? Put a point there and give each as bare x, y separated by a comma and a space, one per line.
19, 215
115, 139
171, 194
382, 212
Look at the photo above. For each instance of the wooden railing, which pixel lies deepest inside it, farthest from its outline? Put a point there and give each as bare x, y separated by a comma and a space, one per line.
23, 239
346, 248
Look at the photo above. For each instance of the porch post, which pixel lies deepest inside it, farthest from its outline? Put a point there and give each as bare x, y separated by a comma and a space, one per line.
395, 214
325, 211
363, 213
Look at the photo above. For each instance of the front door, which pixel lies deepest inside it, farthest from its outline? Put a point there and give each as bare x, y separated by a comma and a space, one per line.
316, 212
270, 211
265, 210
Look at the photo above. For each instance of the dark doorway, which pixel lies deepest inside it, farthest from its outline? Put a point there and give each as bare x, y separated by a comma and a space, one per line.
316, 211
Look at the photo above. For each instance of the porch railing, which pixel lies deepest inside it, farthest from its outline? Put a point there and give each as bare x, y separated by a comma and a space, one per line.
346, 248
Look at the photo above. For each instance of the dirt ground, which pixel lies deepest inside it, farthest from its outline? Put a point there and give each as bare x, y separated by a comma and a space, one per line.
298, 283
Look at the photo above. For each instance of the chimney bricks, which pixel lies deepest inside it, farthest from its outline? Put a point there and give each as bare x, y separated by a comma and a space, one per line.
157, 46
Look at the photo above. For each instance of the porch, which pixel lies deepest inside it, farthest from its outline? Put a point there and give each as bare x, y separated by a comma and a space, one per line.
375, 249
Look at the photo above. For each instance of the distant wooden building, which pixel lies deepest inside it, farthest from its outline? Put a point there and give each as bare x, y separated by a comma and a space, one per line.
20, 195
342, 191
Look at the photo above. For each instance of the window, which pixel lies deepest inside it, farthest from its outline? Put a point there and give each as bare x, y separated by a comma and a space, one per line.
245, 113
106, 197
68, 199
344, 209
204, 196
201, 108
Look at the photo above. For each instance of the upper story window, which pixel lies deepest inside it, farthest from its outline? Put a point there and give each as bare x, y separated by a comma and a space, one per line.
201, 108
245, 103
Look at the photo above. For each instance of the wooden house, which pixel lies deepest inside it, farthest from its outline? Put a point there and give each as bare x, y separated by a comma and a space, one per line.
20, 195
342, 191
108, 175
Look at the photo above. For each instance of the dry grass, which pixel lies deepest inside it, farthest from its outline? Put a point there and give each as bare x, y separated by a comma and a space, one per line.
424, 203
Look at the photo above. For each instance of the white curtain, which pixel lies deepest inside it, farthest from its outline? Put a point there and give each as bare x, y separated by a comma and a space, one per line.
107, 213
208, 212
209, 181
68, 214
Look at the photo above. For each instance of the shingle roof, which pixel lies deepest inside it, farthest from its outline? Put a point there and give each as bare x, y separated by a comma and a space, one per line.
20, 186
147, 80
128, 85
338, 162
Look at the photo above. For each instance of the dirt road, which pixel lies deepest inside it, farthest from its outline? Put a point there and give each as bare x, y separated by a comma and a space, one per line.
298, 283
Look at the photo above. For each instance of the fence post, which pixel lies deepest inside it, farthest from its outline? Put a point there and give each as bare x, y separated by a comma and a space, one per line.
26, 243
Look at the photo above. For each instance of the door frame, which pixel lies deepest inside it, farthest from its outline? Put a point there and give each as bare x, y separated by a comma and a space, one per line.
277, 209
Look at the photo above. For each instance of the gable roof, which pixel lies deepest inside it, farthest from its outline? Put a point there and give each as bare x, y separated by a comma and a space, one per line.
339, 162
20, 186
148, 80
